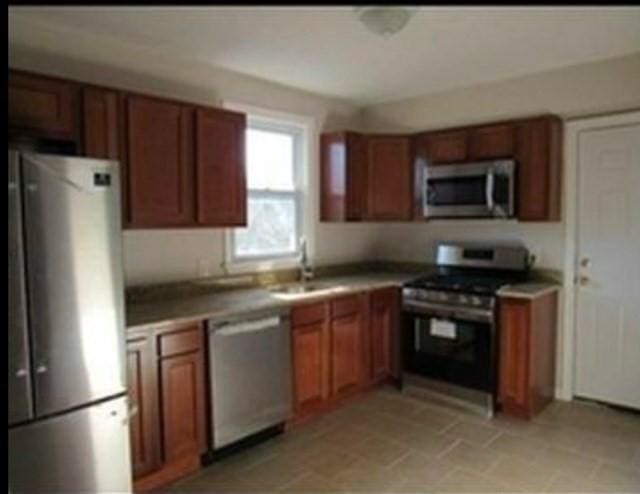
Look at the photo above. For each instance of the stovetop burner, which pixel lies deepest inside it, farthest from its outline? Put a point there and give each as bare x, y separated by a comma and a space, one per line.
471, 283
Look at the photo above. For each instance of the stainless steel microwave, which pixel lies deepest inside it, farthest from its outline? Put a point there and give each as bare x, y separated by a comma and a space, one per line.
482, 189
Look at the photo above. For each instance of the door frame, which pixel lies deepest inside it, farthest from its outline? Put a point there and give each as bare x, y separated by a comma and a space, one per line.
567, 345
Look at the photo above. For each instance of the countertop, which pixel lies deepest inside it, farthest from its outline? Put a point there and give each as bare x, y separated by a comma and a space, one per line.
228, 303
529, 290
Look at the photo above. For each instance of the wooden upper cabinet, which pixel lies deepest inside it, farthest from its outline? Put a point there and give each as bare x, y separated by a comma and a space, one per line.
539, 162
448, 146
346, 344
160, 163
527, 354
142, 383
491, 142
101, 124
42, 106
342, 176
390, 178
383, 324
220, 168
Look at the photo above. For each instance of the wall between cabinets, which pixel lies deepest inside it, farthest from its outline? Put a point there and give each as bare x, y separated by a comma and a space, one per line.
168, 255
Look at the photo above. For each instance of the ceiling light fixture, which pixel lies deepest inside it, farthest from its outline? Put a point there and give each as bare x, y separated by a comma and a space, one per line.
384, 21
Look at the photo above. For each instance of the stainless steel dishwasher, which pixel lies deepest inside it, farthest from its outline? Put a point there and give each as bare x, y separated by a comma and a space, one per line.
250, 357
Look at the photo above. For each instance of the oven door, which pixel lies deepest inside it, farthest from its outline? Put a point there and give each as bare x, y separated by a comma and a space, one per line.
452, 345
483, 189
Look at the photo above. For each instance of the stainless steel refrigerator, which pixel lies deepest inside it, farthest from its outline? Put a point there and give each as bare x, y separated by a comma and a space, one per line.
68, 416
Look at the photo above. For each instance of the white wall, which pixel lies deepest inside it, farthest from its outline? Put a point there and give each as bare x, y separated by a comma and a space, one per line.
166, 255
585, 89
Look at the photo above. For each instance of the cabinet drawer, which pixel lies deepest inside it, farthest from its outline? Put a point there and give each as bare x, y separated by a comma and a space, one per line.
345, 306
308, 314
180, 341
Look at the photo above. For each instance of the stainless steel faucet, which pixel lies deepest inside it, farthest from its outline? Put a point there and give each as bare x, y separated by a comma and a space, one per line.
306, 271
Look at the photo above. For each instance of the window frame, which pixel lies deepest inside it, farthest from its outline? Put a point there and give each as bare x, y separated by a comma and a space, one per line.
300, 133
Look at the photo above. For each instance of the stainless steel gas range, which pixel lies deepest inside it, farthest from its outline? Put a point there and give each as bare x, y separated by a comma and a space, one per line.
450, 323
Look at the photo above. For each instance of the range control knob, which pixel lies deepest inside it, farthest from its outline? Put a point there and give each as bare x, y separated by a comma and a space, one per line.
463, 299
476, 300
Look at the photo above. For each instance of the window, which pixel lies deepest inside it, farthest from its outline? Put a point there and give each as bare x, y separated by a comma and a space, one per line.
274, 177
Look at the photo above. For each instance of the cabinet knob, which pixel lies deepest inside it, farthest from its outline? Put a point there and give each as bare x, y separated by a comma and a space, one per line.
584, 262
21, 373
41, 369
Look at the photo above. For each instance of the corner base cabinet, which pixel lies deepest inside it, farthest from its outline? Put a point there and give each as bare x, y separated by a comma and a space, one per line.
527, 354
342, 346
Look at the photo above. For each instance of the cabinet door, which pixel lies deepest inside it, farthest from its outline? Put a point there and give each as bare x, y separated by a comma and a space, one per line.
389, 175
491, 142
514, 356
220, 164
448, 147
346, 353
183, 405
144, 427
100, 123
42, 106
160, 163
342, 176
384, 314
310, 364
538, 151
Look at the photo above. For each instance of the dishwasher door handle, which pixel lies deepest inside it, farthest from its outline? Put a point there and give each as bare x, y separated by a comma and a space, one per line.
229, 329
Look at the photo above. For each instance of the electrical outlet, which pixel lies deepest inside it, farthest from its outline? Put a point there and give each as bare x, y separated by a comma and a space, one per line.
535, 256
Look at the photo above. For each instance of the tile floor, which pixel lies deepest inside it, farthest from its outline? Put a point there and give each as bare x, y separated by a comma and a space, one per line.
385, 441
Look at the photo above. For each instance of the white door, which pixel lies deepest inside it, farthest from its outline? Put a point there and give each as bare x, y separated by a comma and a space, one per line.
608, 293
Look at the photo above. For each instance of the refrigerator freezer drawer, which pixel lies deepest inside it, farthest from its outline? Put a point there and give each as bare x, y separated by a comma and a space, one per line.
86, 450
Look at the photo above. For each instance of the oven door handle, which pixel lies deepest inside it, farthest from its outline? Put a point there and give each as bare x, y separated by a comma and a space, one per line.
448, 312
489, 190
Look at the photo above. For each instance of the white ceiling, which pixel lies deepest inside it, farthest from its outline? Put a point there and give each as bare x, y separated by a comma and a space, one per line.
326, 50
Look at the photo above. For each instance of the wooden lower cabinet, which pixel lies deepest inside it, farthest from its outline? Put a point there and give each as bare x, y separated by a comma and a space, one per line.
166, 375
183, 395
144, 427
346, 346
310, 349
527, 354
384, 316
342, 346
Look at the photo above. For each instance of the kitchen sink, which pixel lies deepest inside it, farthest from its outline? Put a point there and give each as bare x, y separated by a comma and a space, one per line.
297, 289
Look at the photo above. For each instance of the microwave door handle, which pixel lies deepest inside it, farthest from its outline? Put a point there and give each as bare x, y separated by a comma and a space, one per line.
489, 190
